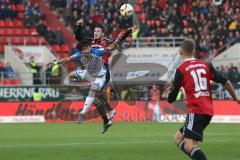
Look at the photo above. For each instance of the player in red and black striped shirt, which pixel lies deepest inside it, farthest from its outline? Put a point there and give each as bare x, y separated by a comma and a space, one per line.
195, 76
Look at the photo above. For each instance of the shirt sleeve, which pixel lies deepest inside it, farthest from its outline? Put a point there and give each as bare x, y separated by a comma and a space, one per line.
76, 55
216, 77
98, 51
177, 83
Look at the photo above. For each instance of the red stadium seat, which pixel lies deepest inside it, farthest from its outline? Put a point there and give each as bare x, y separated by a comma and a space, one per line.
1, 32
17, 32
13, 7
2, 23
140, 1
33, 31
32, 41
20, 15
138, 8
5, 40
63, 55
1, 48
21, 40
15, 41
149, 40
20, 7
8, 32
18, 23
9, 23
6, 82
56, 48
42, 40
142, 16
158, 23
64, 48
149, 23
25, 32
15, 82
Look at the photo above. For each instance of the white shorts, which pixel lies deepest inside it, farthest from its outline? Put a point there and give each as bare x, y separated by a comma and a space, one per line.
99, 80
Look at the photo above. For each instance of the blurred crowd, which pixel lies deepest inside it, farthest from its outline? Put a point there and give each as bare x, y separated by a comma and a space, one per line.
214, 27
231, 72
92, 11
34, 17
6, 9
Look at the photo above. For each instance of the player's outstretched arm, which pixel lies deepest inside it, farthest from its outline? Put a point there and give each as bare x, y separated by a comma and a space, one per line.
79, 33
61, 61
231, 91
226, 83
113, 45
121, 37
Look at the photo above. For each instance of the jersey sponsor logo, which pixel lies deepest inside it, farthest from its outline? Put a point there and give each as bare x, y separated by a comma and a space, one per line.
202, 94
195, 66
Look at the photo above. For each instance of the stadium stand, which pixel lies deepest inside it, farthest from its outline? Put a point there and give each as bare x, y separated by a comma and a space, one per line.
214, 28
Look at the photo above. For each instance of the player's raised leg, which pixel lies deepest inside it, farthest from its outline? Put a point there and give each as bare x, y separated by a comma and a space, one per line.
88, 102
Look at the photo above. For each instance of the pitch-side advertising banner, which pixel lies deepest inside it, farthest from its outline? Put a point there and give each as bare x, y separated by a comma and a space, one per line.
225, 111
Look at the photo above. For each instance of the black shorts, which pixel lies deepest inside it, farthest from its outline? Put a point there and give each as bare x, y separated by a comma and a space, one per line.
194, 126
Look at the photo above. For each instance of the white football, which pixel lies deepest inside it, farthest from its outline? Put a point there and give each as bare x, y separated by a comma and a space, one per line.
126, 10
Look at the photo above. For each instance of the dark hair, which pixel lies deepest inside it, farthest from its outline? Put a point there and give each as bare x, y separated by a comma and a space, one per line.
83, 44
99, 25
36, 89
188, 45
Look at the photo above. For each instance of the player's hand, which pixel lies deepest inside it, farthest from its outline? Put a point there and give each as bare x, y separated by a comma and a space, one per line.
134, 28
238, 101
79, 22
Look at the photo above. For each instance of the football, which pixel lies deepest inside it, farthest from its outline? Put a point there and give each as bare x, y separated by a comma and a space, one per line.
126, 10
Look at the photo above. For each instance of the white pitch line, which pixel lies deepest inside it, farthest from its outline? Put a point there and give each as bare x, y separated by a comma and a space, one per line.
99, 143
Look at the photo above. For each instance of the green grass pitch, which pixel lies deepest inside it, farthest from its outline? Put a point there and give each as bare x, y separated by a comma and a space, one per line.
124, 141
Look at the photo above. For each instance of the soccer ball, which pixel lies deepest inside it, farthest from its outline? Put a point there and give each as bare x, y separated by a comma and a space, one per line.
126, 10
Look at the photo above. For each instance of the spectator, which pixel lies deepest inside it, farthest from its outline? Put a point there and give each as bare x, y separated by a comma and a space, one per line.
1, 70
35, 71
37, 96
7, 12
55, 74
59, 36
27, 21
234, 77
155, 102
41, 28
9, 73
50, 36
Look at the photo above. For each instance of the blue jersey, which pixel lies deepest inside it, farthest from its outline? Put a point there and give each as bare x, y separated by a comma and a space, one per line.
93, 62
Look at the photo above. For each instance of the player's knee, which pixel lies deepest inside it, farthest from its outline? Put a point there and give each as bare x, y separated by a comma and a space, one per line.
95, 87
178, 138
95, 102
